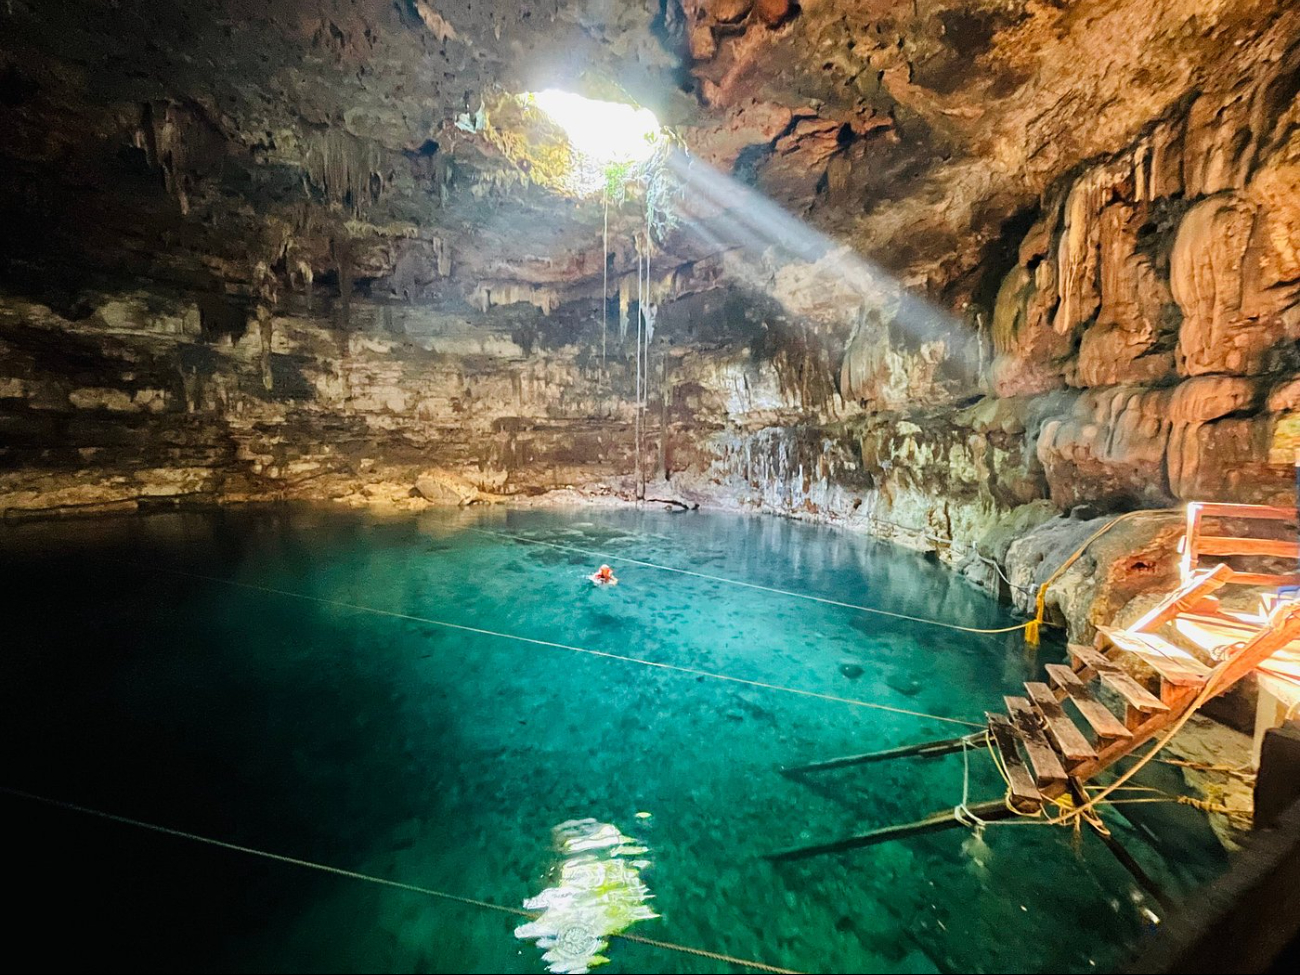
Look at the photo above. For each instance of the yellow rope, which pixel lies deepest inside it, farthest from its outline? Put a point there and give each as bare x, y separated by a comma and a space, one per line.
1204, 805
748, 585
1073, 815
1033, 626
382, 881
695, 672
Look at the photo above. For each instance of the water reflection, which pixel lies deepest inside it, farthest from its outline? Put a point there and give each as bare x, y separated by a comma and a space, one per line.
597, 894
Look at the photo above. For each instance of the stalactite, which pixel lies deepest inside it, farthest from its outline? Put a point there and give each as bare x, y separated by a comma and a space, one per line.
306, 276
342, 250
267, 335
161, 134
490, 294
345, 169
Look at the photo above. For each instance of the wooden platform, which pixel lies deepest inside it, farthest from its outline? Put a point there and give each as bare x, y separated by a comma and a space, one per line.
1065, 730
1185, 650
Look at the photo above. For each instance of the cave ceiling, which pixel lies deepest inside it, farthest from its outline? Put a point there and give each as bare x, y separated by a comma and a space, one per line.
196, 142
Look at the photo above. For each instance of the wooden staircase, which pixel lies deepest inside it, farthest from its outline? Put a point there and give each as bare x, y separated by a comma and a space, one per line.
1133, 685
1138, 681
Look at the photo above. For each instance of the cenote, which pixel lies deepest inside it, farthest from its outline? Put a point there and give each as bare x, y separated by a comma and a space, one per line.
269, 677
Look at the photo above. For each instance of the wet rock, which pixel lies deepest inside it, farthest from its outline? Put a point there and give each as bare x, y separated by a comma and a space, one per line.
775, 12
1137, 555
438, 488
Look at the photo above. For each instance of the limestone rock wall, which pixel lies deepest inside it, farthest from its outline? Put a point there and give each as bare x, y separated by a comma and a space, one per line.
1140, 351
133, 396
1163, 284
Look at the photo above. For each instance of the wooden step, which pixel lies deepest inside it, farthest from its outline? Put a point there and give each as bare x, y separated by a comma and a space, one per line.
1069, 740
1049, 774
1241, 623
1213, 638
1173, 664
1117, 679
1097, 714
1024, 794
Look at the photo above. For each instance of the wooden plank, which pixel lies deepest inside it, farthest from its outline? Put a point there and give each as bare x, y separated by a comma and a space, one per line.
1264, 579
1268, 512
1024, 794
1244, 623
1227, 545
1117, 679
1176, 695
1282, 628
1049, 774
1189, 559
1110, 751
1069, 740
1196, 587
1087, 658
1211, 637
1173, 664
1097, 714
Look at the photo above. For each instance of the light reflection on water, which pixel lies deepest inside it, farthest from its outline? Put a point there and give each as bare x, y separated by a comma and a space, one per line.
597, 893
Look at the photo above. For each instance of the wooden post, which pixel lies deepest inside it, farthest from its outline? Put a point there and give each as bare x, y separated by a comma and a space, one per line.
1125, 858
989, 812
924, 749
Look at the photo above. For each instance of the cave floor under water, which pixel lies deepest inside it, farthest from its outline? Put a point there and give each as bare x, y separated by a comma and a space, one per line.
137, 680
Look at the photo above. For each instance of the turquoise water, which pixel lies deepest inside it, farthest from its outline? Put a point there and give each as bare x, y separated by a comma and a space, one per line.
132, 681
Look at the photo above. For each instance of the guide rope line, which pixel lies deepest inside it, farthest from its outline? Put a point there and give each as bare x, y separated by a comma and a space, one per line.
748, 585
370, 878
693, 671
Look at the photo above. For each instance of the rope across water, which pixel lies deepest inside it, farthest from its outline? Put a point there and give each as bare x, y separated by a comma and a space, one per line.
482, 631
368, 878
748, 585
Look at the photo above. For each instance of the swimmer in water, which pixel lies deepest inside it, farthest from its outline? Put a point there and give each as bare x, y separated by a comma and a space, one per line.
604, 576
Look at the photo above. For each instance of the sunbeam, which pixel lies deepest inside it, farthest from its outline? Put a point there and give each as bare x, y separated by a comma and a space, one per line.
764, 243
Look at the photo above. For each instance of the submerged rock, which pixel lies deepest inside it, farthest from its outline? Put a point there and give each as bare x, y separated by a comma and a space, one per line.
906, 685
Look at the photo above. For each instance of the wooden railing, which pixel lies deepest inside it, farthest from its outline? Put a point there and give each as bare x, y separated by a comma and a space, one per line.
1197, 543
